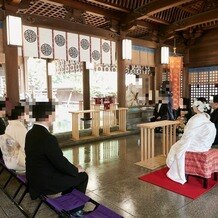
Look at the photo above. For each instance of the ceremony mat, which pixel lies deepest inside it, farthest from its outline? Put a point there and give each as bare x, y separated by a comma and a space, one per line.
192, 189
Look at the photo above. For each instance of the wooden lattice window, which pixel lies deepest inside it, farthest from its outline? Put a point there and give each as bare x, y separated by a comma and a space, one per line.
202, 82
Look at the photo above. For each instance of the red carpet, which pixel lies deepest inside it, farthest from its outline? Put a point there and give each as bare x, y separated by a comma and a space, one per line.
193, 189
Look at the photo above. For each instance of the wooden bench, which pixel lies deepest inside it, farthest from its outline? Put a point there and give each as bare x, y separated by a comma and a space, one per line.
202, 164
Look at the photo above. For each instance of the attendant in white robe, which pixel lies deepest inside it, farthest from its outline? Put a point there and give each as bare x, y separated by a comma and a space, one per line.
198, 136
13, 141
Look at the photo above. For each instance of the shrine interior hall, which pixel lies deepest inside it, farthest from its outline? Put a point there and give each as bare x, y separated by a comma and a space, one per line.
105, 64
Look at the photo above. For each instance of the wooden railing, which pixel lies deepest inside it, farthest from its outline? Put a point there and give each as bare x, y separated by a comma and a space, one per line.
109, 119
148, 158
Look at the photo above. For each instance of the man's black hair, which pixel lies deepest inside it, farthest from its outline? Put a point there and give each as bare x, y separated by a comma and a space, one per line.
2, 105
41, 110
215, 98
17, 112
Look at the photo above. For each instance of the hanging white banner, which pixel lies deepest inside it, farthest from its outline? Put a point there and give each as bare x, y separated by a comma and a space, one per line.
30, 41
45, 43
84, 46
106, 51
59, 44
72, 46
95, 50
113, 52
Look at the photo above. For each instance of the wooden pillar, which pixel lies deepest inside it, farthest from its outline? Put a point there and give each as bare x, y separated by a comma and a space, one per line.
49, 82
145, 87
11, 70
185, 76
121, 89
21, 73
158, 71
86, 90
26, 75
152, 85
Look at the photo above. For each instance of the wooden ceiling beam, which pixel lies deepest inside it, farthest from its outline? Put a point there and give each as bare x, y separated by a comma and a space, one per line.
210, 27
111, 5
144, 24
139, 23
158, 20
194, 20
89, 8
186, 9
18, 3
154, 7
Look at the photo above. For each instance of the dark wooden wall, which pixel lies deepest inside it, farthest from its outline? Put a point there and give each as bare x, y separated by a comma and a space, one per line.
205, 50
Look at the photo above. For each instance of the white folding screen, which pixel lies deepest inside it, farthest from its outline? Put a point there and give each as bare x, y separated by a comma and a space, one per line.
30, 41
54, 44
73, 46
59, 38
45, 43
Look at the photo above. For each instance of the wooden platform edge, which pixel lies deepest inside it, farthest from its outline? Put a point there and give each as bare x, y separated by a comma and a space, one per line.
153, 163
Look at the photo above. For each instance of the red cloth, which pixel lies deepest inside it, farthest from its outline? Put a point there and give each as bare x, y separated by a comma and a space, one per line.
192, 189
201, 163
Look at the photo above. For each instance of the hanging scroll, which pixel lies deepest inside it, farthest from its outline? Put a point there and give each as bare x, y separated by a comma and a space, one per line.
45, 43
30, 41
176, 65
60, 45
84, 46
95, 50
59, 38
72, 46
106, 51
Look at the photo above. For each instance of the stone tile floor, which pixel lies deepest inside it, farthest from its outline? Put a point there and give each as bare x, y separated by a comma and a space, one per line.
113, 181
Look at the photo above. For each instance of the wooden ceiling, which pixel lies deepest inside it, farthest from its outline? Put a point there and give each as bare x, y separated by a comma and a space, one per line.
155, 20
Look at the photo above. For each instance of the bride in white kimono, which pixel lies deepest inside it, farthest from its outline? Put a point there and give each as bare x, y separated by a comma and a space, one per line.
198, 136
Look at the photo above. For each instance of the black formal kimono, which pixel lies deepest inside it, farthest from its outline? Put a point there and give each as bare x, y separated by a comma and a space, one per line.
47, 170
214, 119
162, 112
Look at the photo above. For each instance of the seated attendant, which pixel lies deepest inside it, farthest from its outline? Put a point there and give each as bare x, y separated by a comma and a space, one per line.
13, 141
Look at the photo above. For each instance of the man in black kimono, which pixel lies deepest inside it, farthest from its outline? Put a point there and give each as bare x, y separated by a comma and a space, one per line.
214, 119
48, 171
160, 111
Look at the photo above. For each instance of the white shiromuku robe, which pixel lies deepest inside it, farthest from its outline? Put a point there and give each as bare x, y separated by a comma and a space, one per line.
198, 136
12, 145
